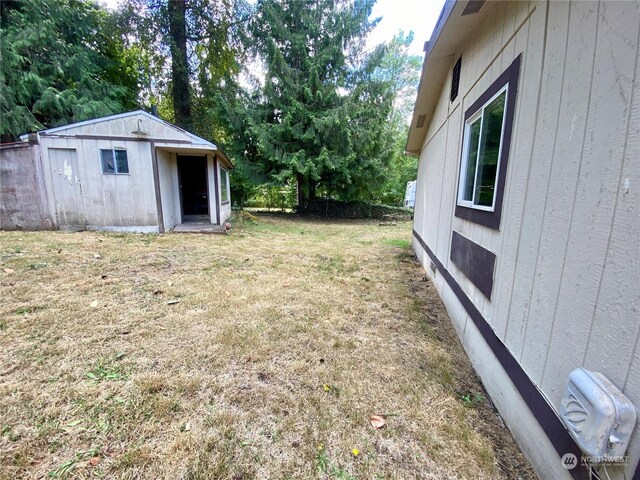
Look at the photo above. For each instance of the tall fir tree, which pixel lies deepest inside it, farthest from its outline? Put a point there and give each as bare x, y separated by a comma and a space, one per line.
322, 116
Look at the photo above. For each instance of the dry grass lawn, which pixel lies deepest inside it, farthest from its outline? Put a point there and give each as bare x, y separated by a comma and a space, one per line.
256, 355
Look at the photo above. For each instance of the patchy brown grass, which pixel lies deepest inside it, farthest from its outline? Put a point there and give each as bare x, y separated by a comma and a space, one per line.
287, 336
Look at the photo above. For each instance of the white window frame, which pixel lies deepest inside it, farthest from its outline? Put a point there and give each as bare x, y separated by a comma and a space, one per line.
115, 163
227, 186
465, 151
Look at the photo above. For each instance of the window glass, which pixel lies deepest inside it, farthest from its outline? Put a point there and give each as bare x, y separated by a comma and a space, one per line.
472, 156
489, 150
483, 137
224, 191
108, 165
114, 161
122, 164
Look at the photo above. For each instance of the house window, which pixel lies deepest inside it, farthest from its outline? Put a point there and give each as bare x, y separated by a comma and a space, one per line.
485, 150
224, 188
114, 161
483, 134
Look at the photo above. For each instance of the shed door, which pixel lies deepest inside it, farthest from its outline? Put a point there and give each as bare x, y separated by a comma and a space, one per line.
194, 188
67, 189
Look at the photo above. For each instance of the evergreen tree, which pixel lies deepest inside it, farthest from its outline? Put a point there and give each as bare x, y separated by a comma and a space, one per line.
61, 62
322, 116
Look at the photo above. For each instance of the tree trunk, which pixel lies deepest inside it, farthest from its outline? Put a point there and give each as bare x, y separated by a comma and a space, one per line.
301, 199
179, 63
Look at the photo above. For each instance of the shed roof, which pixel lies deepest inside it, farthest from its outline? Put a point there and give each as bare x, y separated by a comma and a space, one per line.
457, 20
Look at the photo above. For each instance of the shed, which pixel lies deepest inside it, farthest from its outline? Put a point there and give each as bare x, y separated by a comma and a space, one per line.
127, 172
527, 212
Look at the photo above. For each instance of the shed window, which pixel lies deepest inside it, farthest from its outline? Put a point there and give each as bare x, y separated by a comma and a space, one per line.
488, 124
224, 187
114, 161
481, 154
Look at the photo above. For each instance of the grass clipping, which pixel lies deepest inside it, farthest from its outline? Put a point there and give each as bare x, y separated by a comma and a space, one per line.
261, 354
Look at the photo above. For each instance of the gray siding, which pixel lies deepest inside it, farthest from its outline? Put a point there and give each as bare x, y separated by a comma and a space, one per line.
23, 202
101, 200
568, 251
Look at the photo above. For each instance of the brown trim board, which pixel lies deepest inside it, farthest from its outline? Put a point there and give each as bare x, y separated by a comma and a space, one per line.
540, 408
510, 76
476, 262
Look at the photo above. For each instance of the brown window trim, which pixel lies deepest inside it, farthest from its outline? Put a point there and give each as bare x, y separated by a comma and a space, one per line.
509, 76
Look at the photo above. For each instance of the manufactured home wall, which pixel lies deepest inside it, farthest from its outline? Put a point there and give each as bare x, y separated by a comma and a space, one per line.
23, 202
102, 201
565, 290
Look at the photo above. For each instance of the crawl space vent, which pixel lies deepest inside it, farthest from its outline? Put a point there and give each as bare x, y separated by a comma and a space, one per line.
432, 266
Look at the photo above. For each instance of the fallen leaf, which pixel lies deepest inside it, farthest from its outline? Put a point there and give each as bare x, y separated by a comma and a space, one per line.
9, 270
161, 327
94, 461
94, 304
173, 302
95, 255
377, 421
169, 283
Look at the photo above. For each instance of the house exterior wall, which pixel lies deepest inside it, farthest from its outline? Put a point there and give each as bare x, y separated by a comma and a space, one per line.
124, 201
23, 201
565, 286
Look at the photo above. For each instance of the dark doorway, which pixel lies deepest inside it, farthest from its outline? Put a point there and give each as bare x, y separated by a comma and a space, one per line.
194, 188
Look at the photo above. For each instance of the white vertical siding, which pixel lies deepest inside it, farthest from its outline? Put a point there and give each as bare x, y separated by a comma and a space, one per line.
106, 200
166, 165
562, 184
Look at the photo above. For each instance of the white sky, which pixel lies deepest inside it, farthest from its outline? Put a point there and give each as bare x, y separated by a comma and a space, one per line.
419, 16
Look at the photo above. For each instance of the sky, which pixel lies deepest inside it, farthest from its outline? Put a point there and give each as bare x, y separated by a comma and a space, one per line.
419, 16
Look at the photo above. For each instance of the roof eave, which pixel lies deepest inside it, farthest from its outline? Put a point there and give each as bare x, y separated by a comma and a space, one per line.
451, 30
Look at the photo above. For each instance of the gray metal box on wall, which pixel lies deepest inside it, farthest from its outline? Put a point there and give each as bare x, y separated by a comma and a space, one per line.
600, 418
